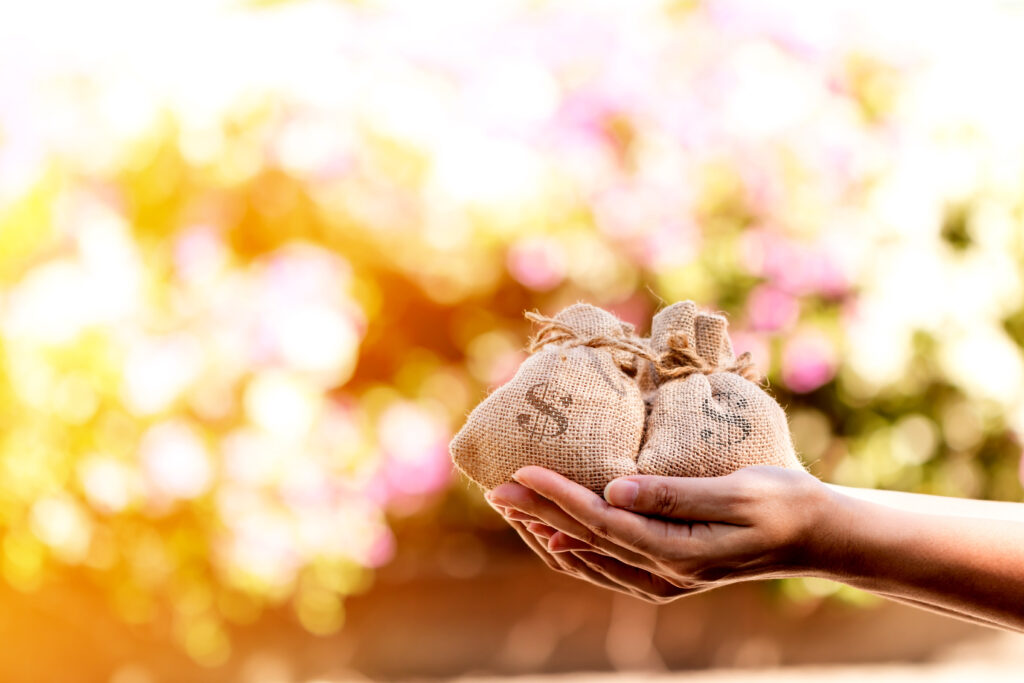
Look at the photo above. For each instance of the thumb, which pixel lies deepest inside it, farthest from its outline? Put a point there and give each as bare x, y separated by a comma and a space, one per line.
709, 499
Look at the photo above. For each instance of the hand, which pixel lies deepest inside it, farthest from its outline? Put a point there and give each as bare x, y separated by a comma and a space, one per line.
668, 536
587, 565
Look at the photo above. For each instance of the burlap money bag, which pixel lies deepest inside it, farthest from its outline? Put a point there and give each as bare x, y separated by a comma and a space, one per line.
573, 406
707, 418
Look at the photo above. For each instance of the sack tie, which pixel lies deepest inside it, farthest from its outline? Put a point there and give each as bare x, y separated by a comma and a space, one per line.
554, 331
682, 360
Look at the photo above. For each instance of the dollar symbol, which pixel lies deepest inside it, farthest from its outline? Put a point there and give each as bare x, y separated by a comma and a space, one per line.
550, 422
736, 427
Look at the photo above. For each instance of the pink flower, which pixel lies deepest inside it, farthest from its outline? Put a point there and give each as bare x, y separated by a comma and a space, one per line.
537, 263
795, 267
808, 362
670, 243
765, 188
771, 309
504, 368
634, 310
414, 443
382, 549
743, 341
199, 253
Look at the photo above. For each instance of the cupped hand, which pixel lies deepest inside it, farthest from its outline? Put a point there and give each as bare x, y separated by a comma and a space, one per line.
663, 537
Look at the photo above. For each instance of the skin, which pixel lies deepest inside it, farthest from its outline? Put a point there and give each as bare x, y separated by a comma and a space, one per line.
660, 538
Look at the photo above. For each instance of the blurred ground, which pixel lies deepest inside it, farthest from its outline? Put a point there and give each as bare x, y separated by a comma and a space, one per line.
993, 657
516, 621
943, 673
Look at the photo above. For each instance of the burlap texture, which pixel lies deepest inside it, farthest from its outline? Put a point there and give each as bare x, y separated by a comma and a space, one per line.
573, 407
647, 375
706, 418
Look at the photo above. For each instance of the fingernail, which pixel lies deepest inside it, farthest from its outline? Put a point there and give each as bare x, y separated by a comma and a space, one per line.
622, 492
553, 547
557, 543
520, 516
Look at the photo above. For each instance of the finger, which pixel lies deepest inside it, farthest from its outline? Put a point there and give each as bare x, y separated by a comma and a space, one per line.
639, 582
529, 501
500, 509
542, 530
535, 545
519, 516
581, 568
707, 499
560, 543
663, 586
603, 525
569, 564
563, 564
622, 580
496, 500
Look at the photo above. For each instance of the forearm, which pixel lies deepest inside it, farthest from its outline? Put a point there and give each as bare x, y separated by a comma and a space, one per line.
970, 566
946, 612
936, 505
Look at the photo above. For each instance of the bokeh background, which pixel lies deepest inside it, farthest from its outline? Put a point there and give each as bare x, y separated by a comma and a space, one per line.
258, 261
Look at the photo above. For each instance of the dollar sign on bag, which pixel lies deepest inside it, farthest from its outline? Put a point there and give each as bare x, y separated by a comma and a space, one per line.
731, 421
550, 421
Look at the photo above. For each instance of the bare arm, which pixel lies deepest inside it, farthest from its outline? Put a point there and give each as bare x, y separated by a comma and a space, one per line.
957, 557
936, 505
969, 561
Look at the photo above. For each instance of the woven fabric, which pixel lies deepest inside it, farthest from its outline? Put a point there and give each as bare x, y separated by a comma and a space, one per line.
573, 406
712, 421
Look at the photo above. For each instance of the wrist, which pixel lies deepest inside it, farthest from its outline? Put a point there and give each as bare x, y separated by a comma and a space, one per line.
828, 548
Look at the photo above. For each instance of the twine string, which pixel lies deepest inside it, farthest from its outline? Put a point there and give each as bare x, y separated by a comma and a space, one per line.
553, 331
680, 360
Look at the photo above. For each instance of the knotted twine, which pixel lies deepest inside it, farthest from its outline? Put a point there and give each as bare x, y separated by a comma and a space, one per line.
680, 361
